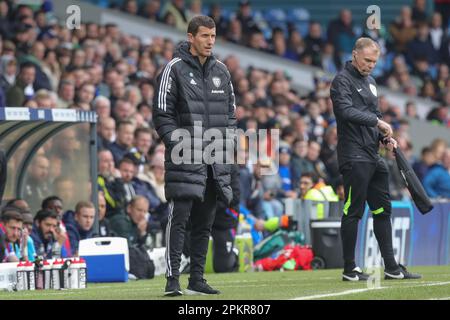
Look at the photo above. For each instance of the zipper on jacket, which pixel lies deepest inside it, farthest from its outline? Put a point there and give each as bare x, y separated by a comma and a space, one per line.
205, 100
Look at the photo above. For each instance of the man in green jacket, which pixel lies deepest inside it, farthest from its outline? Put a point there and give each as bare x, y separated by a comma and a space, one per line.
132, 225
23, 88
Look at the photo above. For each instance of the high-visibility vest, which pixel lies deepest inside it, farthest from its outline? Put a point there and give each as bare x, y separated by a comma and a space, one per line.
325, 193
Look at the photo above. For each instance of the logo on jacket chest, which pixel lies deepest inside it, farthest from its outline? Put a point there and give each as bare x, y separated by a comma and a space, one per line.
216, 81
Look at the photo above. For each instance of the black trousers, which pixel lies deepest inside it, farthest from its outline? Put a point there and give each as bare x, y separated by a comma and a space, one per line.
224, 257
201, 218
366, 181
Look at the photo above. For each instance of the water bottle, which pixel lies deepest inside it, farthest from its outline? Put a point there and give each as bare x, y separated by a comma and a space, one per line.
82, 274
38, 274
74, 274
47, 270
65, 274
22, 283
56, 250
56, 273
29, 271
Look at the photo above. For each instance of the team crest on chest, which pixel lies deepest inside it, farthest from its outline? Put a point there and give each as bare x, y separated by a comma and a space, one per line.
216, 81
373, 89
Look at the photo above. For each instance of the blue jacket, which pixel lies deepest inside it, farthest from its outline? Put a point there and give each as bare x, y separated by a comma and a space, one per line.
437, 182
75, 232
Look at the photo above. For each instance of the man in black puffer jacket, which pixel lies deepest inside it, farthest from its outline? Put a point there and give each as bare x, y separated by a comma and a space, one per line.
194, 94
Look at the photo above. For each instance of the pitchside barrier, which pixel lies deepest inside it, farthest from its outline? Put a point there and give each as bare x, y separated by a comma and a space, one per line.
417, 239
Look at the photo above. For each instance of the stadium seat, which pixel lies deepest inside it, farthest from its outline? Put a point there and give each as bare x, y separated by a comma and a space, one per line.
275, 17
298, 15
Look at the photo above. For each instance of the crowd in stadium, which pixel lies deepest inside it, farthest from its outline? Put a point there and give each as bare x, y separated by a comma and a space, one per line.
103, 69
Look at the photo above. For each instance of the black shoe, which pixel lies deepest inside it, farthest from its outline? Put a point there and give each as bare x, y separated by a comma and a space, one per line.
173, 287
355, 275
200, 287
400, 274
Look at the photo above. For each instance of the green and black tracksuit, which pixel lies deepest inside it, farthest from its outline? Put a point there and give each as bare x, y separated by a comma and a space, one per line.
365, 173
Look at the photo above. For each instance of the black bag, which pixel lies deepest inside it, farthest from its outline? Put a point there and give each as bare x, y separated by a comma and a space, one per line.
413, 184
140, 263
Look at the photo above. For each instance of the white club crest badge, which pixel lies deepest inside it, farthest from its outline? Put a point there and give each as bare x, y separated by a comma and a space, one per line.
373, 89
216, 81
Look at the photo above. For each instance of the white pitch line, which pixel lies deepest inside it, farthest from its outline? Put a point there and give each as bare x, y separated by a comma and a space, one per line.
347, 292
342, 293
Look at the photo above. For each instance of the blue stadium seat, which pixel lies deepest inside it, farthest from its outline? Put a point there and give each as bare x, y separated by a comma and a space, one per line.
298, 15
275, 16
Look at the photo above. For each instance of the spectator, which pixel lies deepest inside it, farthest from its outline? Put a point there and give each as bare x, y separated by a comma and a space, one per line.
402, 30
312, 157
419, 11
221, 22
421, 47
271, 191
66, 94
108, 184
314, 42
103, 222
426, 161
245, 16
284, 170
130, 7
133, 186
411, 110
23, 88
155, 175
340, 34
124, 141
134, 225
9, 70
298, 161
151, 10
106, 132
195, 9
143, 141
437, 33
328, 154
80, 224
312, 188
177, 10
437, 180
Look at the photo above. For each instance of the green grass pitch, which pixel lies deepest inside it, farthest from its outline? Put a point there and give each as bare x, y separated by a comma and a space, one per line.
318, 284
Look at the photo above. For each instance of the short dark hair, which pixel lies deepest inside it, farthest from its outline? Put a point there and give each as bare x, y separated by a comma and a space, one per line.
44, 214
312, 175
138, 131
127, 160
27, 65
11, 214
200, 21
46, 201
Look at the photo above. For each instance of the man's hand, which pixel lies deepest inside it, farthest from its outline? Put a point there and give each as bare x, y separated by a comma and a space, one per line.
59, 236
390, 143
385, 128
142, 227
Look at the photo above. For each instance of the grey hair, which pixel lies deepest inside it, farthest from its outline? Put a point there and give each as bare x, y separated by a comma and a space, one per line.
364, 42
